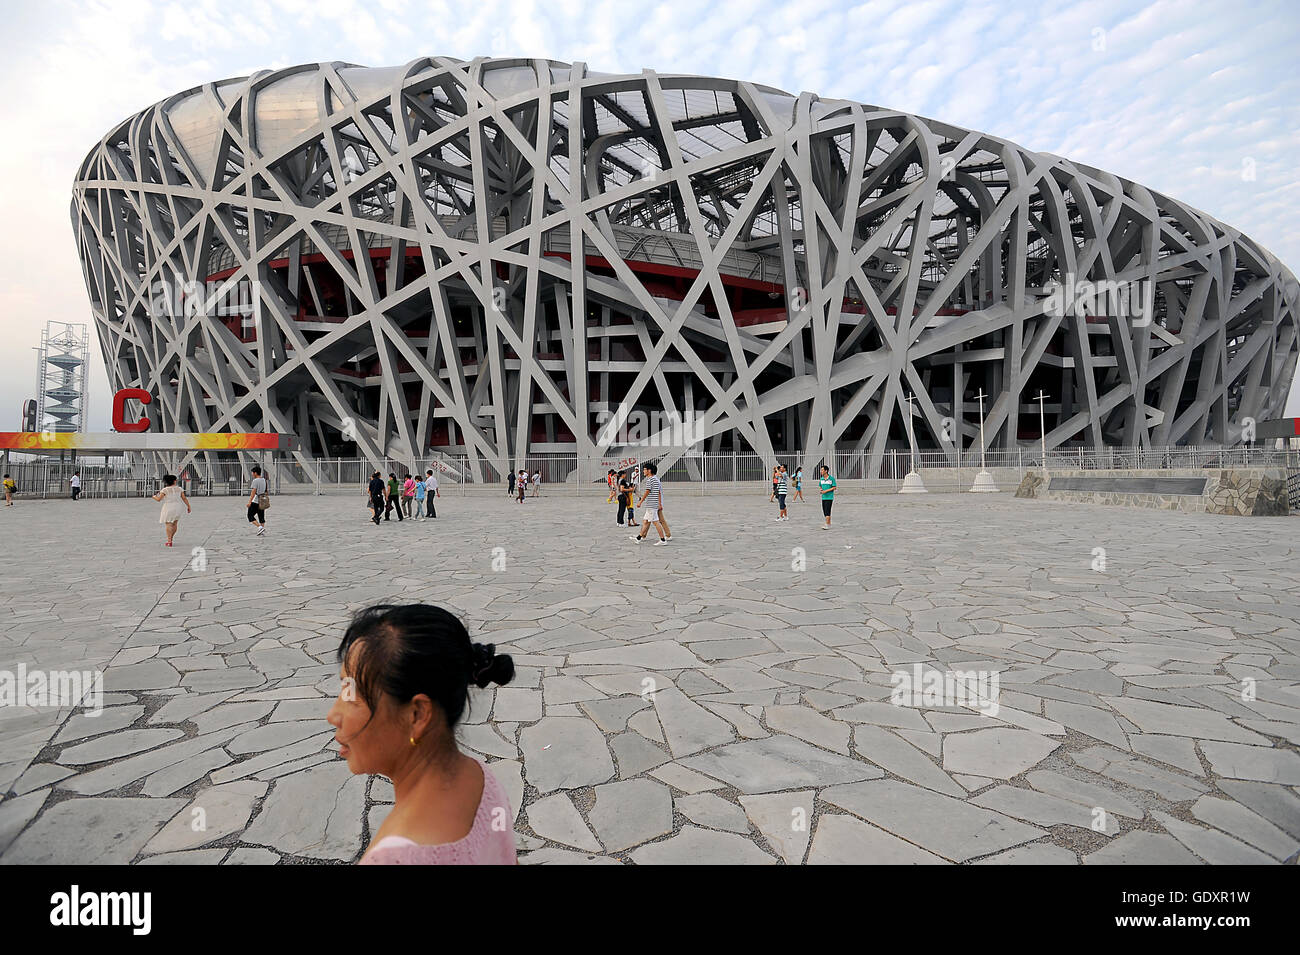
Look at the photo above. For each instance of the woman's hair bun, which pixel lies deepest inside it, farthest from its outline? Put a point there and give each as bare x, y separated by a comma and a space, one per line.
490, 666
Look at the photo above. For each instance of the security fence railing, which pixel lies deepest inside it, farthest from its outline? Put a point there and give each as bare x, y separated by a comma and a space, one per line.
571, 474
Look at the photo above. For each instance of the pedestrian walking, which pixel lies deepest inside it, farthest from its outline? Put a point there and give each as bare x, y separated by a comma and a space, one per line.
798, 483
827, 483
393, 499
782, 489
11, 488
431, 491
626, 490
259, 499
537, 483
609, 480
651, 505
510, 484
375, 492
522, 483
408, 493
76, 484
173, 499
420, 490
773, 497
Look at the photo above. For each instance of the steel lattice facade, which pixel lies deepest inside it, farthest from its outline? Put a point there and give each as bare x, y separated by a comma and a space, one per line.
783, 271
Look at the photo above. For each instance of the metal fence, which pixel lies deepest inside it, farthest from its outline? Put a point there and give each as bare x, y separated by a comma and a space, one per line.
572, 474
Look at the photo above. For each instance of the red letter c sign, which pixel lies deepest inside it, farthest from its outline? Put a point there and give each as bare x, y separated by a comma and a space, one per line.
119, 410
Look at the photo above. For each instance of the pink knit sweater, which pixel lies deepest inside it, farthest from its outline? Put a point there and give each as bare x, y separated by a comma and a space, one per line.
490, 841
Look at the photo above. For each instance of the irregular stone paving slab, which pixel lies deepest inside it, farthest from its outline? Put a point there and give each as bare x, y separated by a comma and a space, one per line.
1214, 847
712, 812
116, 745
562, 752
996, 753
273, 736
948, 827
212, 814
1172, 720
1044, 810
16, 813
688, 781
888, 751
635, 754
555, 818
315, 813
1036, 854
1173, 751
1088, 720
1274, 803
167, 781
660, 654
110, 831
113, 718
784, 819
1258, 763
629, 813
510, 774
809, 725
843, 840
612, 715
42, 774
1142, 848
563, 857
116, 774
688, 727
191, 857
248, 855
778, 763
1083, 792
695, 846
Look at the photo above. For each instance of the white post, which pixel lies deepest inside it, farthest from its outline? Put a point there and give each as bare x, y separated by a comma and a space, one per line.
912, 484
1042, 427
983, 480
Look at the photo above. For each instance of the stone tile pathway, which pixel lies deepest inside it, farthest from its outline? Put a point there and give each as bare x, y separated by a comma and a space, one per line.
723, 699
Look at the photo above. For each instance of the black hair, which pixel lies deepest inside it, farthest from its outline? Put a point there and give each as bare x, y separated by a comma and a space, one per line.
406, 649
650, 466
169, 479
257, 470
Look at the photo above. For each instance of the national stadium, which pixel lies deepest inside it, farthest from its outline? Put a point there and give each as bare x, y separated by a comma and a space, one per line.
507, 257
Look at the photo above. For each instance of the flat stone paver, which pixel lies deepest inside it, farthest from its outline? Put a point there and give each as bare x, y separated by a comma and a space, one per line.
700, 702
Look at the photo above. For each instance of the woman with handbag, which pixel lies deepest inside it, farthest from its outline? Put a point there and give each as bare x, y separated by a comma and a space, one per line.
10, 490
259, 499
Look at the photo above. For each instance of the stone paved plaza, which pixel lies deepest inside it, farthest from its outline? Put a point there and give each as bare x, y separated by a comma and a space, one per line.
1125, 733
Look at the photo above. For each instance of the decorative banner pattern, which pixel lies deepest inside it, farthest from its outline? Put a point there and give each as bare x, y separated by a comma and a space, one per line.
111, 442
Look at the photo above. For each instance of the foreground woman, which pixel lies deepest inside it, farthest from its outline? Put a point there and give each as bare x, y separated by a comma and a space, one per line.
406, 672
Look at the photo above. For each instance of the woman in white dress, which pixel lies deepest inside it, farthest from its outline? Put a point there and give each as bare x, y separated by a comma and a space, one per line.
173, 499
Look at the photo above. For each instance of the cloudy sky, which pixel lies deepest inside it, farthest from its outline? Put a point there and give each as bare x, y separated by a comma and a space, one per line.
1187, 97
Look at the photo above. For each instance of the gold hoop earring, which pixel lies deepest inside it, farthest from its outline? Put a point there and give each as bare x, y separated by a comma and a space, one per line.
412, 740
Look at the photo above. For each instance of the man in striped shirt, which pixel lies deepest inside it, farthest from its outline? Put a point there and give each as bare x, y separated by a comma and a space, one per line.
651, 505
782, 489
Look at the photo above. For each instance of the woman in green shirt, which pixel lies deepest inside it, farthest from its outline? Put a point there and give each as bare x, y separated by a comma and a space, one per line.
827, 484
